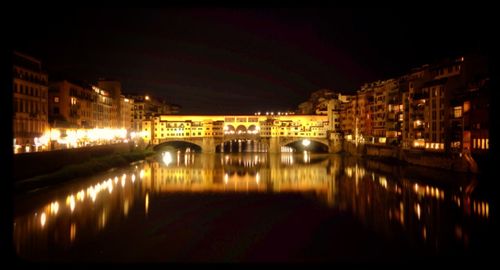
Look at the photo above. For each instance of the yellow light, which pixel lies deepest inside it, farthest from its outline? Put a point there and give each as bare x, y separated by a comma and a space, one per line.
141, 174
72, 232
54, 207
80, 195
133, 177
72, 203
306, 142
55, 134
147, 97
146, 203
43, 219
125, 207
167, 158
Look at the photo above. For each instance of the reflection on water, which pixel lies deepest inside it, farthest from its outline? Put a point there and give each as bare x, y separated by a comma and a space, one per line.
436, 216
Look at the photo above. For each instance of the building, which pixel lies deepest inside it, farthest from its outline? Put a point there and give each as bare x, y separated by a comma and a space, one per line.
30, 102
71, 104
413, 107
348, 118
439, 97
114, 90
365, 113
394, 114
470, 110
146, 106
103, 109
126, 112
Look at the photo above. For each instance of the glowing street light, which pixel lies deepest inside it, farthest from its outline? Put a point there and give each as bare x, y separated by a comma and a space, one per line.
306, 142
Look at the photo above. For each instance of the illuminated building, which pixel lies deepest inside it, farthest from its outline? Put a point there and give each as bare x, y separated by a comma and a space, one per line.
30, 105
71, 104
145, 106
365, 114
126, 113
114, 90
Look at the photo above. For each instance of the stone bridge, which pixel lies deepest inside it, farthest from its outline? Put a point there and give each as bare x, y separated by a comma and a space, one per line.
212, 131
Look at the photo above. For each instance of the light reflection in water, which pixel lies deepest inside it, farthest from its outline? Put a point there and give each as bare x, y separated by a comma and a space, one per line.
72, 232
338, 182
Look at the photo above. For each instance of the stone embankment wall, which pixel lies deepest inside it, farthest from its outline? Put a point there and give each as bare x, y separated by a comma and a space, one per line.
421, 158
28, 165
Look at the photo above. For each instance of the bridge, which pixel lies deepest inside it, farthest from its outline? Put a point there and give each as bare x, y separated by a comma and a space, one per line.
235, 133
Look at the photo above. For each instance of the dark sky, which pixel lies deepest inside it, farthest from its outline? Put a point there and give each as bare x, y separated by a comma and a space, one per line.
244, 60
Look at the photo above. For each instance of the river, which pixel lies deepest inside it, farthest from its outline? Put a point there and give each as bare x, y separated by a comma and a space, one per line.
290, 207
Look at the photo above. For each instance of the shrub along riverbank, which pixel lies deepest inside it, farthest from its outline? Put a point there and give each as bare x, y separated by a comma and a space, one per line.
87, 168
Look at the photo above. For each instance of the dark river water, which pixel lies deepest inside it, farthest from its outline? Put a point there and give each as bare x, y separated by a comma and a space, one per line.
258, 207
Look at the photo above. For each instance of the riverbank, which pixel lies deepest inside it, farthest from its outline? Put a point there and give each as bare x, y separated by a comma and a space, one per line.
86, 168
413, 157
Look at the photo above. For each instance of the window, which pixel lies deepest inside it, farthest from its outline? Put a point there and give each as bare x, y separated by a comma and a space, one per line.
56, 99
457, 111
466, 106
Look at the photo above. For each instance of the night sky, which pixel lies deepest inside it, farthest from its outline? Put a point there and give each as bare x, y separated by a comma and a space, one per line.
244, 60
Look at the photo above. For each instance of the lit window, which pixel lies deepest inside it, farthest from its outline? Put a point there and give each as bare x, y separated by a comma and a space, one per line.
487, 144
457, 111
474, 143
466, 106
483, 144
56, 99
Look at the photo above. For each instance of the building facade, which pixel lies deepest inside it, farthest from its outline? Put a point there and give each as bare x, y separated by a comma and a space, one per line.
71, 105
30, 102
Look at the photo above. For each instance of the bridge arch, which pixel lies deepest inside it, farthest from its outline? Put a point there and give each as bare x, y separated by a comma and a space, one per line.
179, 144
317, 144
241, 129
229, 129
